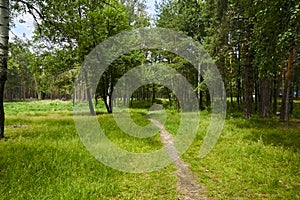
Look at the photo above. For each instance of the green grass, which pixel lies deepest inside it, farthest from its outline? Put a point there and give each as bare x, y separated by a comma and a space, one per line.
32, 107
42, 157
253, 159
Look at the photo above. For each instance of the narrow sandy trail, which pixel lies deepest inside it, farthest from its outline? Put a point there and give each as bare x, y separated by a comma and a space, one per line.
187, 183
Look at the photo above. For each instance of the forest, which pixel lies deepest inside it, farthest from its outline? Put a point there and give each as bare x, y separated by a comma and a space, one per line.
254, 44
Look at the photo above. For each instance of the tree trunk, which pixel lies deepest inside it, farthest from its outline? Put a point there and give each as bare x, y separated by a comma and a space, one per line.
153, 93
4, 36
257, 92
265, 97
108, 104
201, 107
230, 78
89, 97
284, 113
109, 101
239, 89
275, 94
200, 92
298, 92
2, 115
208, 100
249, 71
248, 85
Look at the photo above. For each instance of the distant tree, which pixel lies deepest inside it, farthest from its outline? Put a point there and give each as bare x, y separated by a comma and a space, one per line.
20, 83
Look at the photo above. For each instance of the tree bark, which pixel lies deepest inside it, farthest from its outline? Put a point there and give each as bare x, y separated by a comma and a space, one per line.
275, 93
248, 99
89, 97
239, 85
265, 97
153, 93
284, 113
230, 78
4, 36
298, 92
200, 92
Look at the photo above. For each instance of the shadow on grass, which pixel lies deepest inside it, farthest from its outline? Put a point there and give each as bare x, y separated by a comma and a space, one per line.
274, 133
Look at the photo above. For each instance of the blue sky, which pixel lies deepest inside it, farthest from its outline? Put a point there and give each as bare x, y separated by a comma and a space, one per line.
151, 6
22, 29
26, 29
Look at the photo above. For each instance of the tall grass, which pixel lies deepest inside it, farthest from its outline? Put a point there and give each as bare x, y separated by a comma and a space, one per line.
253, 159
42, 157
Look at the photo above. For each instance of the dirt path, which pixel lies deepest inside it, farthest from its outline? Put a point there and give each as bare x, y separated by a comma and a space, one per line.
187, 183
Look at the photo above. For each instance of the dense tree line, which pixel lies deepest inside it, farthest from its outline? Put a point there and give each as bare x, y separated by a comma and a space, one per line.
255, 45
66, 31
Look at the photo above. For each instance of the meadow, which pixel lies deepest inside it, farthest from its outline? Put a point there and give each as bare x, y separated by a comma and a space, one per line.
42, 157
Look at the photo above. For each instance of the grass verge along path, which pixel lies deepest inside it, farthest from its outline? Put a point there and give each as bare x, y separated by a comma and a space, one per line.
187, 184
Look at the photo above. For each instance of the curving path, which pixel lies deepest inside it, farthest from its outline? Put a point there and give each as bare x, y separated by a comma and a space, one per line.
187, 183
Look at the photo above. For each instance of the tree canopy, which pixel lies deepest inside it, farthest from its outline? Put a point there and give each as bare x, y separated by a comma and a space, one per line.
255, 45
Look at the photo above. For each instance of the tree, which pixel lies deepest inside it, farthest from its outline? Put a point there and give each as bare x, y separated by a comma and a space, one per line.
20, 83
288, 45
4, 36
84, 26
187, 17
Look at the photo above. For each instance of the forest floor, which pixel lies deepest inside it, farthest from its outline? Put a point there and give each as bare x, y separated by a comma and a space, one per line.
43, 157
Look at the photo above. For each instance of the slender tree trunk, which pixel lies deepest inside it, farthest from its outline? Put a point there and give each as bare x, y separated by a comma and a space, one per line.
110, 92
200, 93
2, 115
239, 89
201, 100
256, 97
153, 93
275, 94
284, 114
4, 36
265, 97
23, 84
298, 91
230, 79
257, 92
208, 100
248, 99
89, 97
249, 72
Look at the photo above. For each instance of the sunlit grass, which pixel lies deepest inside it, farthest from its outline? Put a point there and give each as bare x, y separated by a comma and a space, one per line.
253, 159
43, 157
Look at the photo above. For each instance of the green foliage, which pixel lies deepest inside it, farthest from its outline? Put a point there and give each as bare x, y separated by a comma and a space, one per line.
185, 15
248, 40
66, 32
20, 82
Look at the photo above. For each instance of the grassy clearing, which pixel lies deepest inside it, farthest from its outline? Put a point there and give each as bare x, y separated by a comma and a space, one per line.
43, 158
253, 159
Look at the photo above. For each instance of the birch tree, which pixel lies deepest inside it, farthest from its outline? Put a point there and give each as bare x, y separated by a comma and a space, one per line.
4, 36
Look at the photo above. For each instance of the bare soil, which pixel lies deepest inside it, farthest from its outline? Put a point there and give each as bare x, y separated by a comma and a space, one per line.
187, 184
